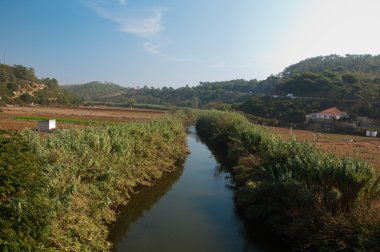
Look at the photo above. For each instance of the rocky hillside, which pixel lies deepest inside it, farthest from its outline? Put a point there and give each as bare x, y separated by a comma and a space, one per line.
20, 85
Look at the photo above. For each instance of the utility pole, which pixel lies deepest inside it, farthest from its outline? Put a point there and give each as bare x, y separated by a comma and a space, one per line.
4, 57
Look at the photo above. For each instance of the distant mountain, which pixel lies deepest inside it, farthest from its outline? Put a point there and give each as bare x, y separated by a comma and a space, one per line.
19, 85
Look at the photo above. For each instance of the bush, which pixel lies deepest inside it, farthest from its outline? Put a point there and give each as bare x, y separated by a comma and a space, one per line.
27, 98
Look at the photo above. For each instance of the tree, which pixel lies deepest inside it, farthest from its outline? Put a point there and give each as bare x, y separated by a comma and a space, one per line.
131, 101
24, 73
50, 83
27, 98
13, 86
349, 78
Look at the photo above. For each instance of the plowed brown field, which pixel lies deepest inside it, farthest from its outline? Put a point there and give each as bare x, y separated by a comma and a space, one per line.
365, 148
98, 113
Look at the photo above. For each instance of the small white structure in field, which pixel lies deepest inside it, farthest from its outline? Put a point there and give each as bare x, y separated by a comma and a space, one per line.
47, 125
290, 95
371, 133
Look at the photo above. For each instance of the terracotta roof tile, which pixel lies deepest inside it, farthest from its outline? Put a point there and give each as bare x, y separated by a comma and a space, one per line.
331, 111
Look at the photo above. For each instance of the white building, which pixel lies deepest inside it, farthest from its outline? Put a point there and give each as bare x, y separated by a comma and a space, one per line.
371, 133
47, 125
327, 114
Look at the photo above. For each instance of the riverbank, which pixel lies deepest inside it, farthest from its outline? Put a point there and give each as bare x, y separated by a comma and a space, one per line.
79, 177
313, 199
190, 211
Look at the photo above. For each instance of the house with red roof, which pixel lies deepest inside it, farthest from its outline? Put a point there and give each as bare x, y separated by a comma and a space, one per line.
327, 114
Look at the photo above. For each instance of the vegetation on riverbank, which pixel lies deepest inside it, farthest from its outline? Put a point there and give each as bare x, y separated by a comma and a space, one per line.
77, 178
314, 199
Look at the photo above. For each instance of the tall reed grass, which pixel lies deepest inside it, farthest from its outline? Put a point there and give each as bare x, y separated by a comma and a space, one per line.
88, 173
315, 199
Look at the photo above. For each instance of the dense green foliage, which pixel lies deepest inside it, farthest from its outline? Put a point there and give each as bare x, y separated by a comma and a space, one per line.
318, 201
353, 77
352, 63
25, 212
83, 175
281, 109
19, 85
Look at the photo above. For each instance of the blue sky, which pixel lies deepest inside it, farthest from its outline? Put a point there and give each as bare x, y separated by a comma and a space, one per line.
178, 42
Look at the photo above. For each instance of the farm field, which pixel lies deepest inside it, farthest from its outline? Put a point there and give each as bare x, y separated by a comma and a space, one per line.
365, 148
12, 116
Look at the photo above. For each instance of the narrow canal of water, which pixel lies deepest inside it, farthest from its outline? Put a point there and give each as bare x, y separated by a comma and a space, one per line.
189, 210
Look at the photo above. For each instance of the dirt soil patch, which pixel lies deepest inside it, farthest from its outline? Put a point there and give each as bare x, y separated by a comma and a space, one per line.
365, 148
96, 113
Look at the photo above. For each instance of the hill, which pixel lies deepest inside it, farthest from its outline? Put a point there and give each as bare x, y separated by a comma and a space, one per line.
205, 94
95, 90
353, 77
350, 82
19, 85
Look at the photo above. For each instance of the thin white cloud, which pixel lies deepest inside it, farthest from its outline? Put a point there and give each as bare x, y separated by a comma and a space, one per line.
151, 48
146, 24
142, 27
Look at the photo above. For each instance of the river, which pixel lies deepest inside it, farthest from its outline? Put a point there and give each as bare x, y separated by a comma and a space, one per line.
191, 209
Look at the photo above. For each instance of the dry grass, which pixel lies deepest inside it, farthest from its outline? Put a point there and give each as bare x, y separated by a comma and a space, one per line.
97, 113
365, 148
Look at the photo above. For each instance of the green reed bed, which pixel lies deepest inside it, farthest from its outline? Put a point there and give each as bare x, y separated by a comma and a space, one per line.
313, 199
60, 191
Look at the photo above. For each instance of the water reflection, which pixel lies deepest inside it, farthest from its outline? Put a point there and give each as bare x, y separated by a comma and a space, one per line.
189, 210
142, 202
